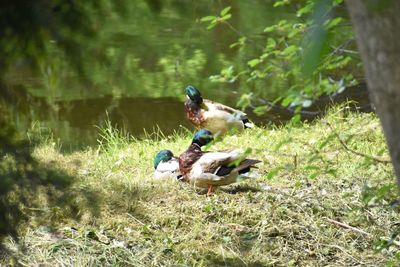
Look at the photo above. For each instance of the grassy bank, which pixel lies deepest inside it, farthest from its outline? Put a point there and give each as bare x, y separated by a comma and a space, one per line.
308, 183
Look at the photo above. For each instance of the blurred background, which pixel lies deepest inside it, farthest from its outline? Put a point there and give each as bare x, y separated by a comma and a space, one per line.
70, 66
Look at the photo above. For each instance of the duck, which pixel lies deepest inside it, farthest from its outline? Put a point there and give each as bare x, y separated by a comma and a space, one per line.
216, 117
206, 169
166, 165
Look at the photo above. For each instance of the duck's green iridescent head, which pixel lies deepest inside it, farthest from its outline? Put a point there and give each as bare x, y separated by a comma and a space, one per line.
194, 94
163, 155
202, 137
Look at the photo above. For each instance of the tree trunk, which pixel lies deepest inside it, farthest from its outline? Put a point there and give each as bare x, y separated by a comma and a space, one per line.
377, 27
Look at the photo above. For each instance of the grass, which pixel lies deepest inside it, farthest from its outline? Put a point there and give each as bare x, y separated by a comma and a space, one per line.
287, 216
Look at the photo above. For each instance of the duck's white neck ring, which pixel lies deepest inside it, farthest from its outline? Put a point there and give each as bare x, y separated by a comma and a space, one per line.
197, 145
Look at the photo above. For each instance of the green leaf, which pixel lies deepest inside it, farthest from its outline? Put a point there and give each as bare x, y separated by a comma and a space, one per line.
332, 172
212, 25
290, 50
295, 119
270, 28
226, 17
207, 18
287, 101
284, 23
281, 3
225, 11
234, 45
252, 63
333, 22
293, 33
247, 151
242, 40
273, 172
271, 43
244, 101
260, 110
311, 167
145, 228
305, 10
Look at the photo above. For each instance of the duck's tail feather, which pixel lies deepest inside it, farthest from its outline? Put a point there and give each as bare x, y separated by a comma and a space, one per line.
243, 167
247, 123
245, 173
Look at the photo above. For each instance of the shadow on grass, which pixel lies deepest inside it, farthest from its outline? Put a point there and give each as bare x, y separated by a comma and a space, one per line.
241, 189
218, 260
31, 190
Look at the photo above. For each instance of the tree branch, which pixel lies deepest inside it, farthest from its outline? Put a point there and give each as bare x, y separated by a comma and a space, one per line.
348, 227
354, 151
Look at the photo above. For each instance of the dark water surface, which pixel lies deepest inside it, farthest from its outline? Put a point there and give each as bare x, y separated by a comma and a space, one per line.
75, 123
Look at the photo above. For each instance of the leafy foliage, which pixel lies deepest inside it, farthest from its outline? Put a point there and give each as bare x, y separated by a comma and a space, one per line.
303, 59
300, 58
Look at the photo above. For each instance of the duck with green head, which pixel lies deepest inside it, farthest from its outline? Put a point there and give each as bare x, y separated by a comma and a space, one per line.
166, 165
209, 169
214, 116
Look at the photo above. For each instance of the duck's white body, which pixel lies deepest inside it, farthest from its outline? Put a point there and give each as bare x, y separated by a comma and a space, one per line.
219, 118
167, 169
206, 170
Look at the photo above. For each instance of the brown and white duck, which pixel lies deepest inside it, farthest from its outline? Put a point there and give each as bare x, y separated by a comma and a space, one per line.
214, 116
209, 169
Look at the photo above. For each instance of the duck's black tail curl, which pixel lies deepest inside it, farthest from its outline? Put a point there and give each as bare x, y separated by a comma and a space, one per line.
243, 167
247, 123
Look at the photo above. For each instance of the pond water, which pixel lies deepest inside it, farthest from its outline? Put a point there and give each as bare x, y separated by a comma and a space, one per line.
151, 53
75, 123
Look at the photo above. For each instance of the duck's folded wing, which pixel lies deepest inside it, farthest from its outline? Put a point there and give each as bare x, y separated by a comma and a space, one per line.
211, 161
211, 105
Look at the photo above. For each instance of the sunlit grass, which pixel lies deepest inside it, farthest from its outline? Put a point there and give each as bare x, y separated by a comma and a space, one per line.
281, 218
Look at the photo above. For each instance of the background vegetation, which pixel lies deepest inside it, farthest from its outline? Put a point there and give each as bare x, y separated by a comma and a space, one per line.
324, 194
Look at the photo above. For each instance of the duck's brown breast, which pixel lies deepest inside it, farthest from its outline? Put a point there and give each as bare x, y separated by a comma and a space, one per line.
194, 113
188, 158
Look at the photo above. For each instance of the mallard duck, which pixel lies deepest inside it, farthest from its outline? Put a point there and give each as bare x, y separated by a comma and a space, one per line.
208, 169
166, 165
214, 116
